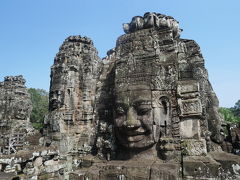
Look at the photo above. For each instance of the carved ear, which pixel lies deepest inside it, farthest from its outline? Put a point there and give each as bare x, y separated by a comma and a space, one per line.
126, 28
156, 132
146, 14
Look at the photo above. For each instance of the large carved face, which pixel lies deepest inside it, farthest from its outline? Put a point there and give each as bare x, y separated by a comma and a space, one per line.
56, 99
134, 118
22, 110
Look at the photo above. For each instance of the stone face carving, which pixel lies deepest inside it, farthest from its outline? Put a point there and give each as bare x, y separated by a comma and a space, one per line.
146, 111
15, 101
134, 122
232, 139
15, 110
149, 99
72, 94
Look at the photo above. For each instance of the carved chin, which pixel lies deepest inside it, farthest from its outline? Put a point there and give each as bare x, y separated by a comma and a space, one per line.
20, 116
55, 104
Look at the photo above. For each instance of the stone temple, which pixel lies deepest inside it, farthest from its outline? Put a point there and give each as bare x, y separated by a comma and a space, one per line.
147, 111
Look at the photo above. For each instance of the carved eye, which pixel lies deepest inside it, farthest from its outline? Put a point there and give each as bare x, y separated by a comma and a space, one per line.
143, 111
120, 110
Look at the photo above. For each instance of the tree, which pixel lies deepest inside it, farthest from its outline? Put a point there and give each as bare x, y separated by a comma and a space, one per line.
39, 98
236, 109
228, 115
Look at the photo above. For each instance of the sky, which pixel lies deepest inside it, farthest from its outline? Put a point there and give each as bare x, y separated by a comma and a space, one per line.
31, 32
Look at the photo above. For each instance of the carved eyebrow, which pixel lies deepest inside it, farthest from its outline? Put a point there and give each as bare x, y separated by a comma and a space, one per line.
142, 102
121, 104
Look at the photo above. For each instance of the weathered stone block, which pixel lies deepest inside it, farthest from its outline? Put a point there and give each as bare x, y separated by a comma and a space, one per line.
190, 128
198, 167
190, 107
38, 162
230, 164
186, 87
165, 171
194, 147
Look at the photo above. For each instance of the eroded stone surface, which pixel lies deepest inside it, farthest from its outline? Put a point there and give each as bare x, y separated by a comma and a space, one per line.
15, 110
72, 95
149, 100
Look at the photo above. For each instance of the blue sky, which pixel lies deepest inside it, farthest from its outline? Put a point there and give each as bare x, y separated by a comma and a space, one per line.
32, 31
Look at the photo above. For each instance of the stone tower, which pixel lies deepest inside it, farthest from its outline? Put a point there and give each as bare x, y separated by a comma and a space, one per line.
72, 95
166, 74
15, 110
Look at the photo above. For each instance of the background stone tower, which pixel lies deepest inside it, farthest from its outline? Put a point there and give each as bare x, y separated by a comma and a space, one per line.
72, 95
15, 110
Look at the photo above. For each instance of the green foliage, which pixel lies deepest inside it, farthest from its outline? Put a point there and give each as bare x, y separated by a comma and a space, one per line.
236, 109
229, 115
185, 145
39, 98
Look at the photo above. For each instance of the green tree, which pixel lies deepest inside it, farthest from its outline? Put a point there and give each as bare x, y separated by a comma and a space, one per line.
228, 115
236, 109
39, 98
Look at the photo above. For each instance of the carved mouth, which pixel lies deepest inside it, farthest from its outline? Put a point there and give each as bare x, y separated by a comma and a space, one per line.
133, 131
133, 135
136, 138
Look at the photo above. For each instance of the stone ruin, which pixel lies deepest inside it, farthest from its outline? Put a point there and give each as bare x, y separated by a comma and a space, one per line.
146, 111
15, 109
74, 76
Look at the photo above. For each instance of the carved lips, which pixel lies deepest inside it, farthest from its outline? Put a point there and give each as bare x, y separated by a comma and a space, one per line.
133, 135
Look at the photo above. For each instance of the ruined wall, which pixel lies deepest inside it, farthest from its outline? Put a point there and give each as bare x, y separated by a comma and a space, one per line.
15, 110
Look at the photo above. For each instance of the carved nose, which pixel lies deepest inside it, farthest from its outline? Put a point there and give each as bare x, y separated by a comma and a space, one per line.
131, 120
